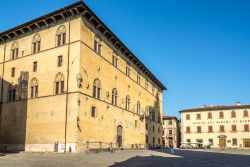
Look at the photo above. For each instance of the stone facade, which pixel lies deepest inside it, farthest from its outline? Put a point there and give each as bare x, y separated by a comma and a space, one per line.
171, 131
222, 126
64, 83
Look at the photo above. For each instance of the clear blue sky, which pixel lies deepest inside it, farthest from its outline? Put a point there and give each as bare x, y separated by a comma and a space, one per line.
200, 49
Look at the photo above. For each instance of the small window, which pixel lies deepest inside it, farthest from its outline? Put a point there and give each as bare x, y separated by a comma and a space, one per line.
222, 128
221, 115
128, 70
210, 129
234, 128
198, 116
139, 79
234, 142
209, 115
198, 129
170, 122
97, 46
35, 66
115, 60
233, 114
246, 128
153, 128
13, 72
245, 113
187, 116
187, 129
146, 85
188, 140
170, 132
93, 112
138, 107
59, 61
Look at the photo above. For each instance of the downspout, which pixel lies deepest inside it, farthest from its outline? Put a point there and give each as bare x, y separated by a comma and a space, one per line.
67, 94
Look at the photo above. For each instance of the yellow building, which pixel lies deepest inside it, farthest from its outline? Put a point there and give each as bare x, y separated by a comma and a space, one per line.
221, 126
68, 82
171, 131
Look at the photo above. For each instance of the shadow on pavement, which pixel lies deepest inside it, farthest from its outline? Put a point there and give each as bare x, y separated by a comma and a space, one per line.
188, 159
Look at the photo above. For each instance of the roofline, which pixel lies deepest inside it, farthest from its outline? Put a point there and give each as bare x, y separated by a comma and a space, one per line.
80, 8
213, 108
170, 117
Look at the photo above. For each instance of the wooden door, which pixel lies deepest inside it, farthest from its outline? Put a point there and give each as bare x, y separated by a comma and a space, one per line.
170, 142
222, 143
247, 143
119, 136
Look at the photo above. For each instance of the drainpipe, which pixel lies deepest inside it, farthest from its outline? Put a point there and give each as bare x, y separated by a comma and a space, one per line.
67, 90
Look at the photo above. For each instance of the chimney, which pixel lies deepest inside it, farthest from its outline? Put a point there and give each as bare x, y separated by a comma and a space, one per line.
238, 104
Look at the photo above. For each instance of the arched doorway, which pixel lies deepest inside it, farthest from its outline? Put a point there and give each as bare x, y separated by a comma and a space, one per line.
119, 136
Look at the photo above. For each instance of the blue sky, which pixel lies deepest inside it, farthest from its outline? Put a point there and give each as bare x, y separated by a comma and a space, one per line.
199, 49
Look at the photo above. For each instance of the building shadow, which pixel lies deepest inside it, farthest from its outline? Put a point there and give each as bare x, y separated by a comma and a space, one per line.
13, 113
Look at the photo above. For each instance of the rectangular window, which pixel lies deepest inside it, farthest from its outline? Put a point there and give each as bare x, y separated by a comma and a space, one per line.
115, 60
146, 85
64, 39
35, 66
198, 129
13, 72
233, 128
234, 142
139, 79
93, 112
187, 116
222, 128
209, 116
59, 61
188, 129
198, 116
170, 132
233, 114
188, 140
245, 113
57, 88
210, 129
246, 128
211, 141
221, 114
97, 46
153, 128
128, 70
170, 122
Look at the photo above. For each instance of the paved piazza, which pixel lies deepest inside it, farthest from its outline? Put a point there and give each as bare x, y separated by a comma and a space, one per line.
157, 158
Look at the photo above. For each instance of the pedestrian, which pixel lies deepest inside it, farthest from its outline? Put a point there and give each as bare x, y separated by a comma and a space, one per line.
172, 149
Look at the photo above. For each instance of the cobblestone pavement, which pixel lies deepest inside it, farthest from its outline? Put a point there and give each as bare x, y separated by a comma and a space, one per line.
134, 158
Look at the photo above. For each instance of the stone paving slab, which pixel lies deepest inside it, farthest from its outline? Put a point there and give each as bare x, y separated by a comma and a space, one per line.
133, 158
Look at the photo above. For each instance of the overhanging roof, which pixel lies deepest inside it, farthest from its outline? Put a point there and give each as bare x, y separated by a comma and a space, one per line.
80, 8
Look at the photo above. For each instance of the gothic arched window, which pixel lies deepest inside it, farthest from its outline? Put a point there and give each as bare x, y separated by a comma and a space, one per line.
114, 96
34, 88
97, 89
14, 51
61, 35
127, 105
59, 84
36, 43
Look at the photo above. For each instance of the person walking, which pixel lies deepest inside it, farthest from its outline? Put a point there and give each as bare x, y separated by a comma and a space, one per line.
172, 149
